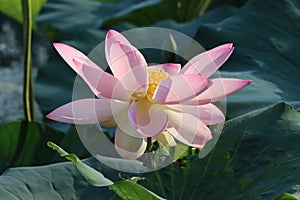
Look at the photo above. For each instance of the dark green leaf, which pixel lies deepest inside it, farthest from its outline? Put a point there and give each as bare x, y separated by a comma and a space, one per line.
181, 11
130, 190
56, 181
94, 177
265, 34
256, 157
24, 143
73, 16
286, 196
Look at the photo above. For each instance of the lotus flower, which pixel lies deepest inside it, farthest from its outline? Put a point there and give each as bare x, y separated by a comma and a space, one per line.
161, 102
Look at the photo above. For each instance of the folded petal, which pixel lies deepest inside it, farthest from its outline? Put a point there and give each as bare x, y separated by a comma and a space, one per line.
129, 147
170, 68
148, 119
209, 114
207, 63
220, 88
87, 111
179, 88
126, 63
123, 122
188, 129
100, 82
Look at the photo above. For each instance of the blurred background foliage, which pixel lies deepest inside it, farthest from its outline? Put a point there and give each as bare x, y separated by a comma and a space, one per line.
257, 156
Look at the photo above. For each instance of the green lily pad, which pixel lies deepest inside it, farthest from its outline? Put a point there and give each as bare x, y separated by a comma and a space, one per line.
257, 157
130, 190
65, 18
265, 35
56, 181
266, 53
24, 143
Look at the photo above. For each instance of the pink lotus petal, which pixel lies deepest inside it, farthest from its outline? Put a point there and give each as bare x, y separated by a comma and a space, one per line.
113, 36
78, 61
100, 82
170, 68
179, 88
147, 118
127, 64
209, 114
68, 53
123, 122
207, 63
220, 88
129, 147
188, 129
87, 111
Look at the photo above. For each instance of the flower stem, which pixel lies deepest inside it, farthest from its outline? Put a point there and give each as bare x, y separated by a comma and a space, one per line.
149, 145
28, 101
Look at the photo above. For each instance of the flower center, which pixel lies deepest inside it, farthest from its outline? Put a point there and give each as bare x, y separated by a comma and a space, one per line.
155, 77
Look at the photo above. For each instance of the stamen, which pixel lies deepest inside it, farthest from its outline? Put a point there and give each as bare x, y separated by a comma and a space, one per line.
155, 77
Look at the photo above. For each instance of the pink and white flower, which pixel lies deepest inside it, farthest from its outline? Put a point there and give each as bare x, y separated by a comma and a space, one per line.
162, 102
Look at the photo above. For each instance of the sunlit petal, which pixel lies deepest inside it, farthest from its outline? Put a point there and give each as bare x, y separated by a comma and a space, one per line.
209, 114
129, 147
100, 82
127, 64
220, 88
180, 88
87, 111
208, 62
188, 129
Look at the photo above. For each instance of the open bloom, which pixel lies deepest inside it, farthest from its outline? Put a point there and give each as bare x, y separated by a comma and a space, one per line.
162, 102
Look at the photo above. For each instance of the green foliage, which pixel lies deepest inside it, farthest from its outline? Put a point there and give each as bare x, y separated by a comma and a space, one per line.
23, 143
266, 51
60, 17
286, 196
124, 189
179, 10
56, 181
94, 177
257, 157
130, 190
13, 9
257, 56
